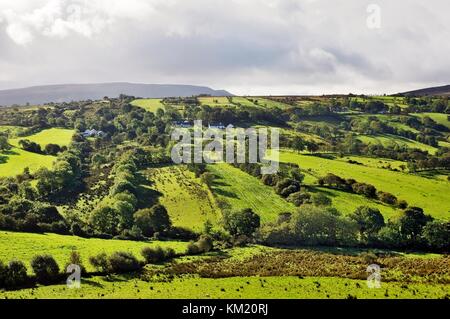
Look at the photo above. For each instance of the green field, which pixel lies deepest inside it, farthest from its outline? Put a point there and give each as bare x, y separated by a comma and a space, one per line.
288, 287
387, 139
59, 136
14, 161
242, 101
188, 201
241, 190
24, 246
214, 101
150, 105
430, 194
269, 103
439, 118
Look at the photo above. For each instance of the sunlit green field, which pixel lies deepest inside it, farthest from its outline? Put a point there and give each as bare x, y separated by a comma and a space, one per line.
242, 101
59, 136
234, 288
439, 118
151, 105
387, 139
241, 190
214, 101
269, 103
189, 202
24, 246
430, 194
14, 161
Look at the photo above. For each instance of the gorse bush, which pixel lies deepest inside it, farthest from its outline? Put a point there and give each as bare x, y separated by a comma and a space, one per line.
100, 262
45, 268
157, 254
120, 262
13, 274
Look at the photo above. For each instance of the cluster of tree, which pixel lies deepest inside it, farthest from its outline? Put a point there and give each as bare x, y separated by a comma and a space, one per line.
315, 225
50, 149
427, 104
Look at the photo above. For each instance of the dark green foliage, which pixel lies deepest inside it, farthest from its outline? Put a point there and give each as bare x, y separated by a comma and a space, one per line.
244, 222
45, 268
155, 219
120, 262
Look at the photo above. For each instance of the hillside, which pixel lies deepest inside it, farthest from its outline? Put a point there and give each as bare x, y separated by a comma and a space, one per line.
435, 91
78, 92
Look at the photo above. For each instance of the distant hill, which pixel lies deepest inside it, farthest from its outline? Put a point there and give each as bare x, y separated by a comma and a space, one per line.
78, 92
434, 91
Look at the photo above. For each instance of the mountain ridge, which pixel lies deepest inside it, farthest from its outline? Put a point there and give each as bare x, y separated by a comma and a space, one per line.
42, 94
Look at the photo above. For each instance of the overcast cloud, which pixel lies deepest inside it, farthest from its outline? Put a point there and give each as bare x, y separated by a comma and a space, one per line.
245, 46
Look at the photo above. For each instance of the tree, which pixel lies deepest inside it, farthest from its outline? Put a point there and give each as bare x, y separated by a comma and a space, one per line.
297, 175
369, 221
244, 222
437, 235
412, 222
4, 145
105, 219
155, 219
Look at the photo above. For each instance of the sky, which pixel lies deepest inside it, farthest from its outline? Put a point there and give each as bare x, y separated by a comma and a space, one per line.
248, 47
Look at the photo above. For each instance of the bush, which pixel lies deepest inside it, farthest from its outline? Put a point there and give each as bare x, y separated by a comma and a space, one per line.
16, 274
299, 198
437, 235
192, 249
75, 259
320, 199
153, 255
121, 261
3, 274
45, 268
100, 262
205, 243
387, 198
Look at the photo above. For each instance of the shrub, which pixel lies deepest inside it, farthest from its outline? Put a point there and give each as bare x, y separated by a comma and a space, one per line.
437, 235
299, 198
45, 268
100, 262
205, 243
192, 249
3, 274
153, 255
369, 220
16, 274
75, 259
121, 261
402, 204
387, 198
320, 199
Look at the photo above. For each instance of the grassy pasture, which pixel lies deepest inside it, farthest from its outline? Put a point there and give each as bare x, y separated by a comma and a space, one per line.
241, 190
59, 136
269, 103
287, 287
150, 105
242, 101
214, 101
430, 194
14, 161
439, 118
188, 201
387, 139
24, 246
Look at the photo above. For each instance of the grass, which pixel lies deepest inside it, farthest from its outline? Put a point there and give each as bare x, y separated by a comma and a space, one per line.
241, 190
269, 103
439, 118
150, 105
288, 287
188, 201
59, 136
14, 161
242, 101
24, 246
430, 194
214, 101
387, 139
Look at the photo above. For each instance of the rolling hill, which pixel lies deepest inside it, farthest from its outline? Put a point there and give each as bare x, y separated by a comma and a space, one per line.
434, 91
